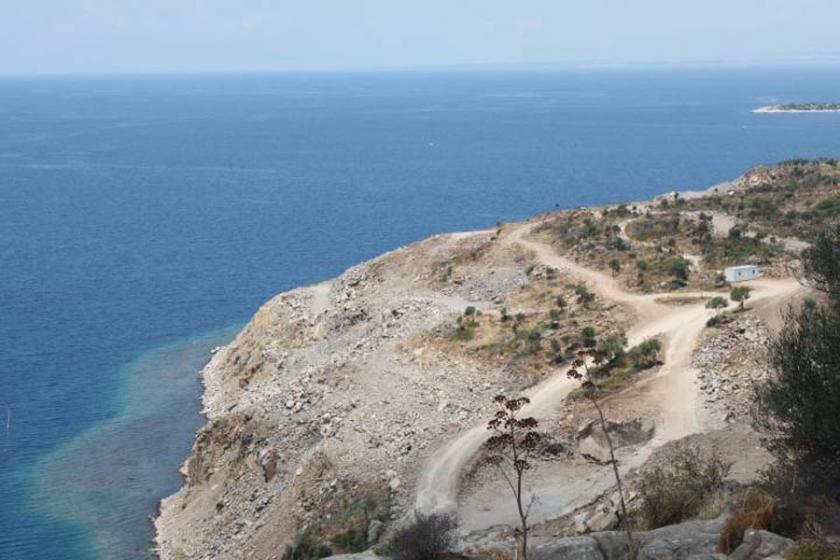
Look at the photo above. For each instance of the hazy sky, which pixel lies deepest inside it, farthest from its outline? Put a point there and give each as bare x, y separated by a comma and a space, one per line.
50, 36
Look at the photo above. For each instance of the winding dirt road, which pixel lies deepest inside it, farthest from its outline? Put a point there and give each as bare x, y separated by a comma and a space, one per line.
674, 386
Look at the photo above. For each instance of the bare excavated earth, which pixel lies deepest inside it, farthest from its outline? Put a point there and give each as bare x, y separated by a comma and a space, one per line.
336, 393
349, 404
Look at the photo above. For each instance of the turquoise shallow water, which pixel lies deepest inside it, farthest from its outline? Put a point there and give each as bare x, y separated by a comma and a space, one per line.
138, 212
110, 476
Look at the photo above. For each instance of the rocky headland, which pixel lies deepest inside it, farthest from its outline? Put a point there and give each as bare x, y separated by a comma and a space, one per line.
342, 408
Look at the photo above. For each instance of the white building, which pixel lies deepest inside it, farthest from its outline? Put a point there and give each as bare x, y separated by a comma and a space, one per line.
742, 273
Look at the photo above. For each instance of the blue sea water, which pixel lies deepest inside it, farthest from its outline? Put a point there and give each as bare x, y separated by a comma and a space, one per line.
143, 218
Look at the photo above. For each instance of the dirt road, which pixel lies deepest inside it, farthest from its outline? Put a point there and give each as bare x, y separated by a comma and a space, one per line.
674, 388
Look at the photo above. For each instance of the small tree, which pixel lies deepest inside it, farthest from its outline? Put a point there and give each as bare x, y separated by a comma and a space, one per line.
612, 347
717, 303
740, 295
615, 266
679, 268
798, 407
585, 297
646, 354
641, 268
581, 371
513, 444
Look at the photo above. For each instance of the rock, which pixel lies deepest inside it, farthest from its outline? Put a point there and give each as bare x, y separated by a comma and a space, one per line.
612, 544
374, 531
580, 522
592, 443
394, 484
268, 462
761, 545
602, 521
572, 548
368, 555
684, 540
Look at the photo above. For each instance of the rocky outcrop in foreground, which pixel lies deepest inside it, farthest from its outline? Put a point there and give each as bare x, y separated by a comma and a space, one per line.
692, 540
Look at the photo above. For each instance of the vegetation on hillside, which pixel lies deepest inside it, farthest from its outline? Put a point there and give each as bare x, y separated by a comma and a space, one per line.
797, 198
555, 319
797, 414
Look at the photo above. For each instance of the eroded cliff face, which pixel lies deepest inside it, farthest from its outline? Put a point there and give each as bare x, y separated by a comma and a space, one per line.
324, 407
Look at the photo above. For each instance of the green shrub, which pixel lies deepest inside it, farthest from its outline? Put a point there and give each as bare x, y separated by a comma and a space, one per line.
680, 491
306, 548
465, 330
716, 303
740, 295
612, 348
679, 268
351, 540
585, 297
646, 354
715, 321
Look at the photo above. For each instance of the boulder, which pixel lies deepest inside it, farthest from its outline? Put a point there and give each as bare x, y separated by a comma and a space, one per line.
572, 548
761, 545
593, 443
681, 541
602, 521
612, 544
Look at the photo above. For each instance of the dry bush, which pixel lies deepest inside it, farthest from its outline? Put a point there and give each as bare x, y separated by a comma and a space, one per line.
683, 490
814, 549
429, 537
757, 510
495, 554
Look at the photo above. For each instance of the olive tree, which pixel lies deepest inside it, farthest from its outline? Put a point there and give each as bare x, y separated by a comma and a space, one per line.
821, 262
798, 406
716, 303
740, 295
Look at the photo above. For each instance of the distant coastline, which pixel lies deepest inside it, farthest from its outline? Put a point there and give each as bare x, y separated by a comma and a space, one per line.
800, 108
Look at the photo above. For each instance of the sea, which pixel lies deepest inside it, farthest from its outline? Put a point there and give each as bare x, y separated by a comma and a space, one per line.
143, 220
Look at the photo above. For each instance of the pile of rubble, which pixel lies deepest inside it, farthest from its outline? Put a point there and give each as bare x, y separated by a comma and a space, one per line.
729, 362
